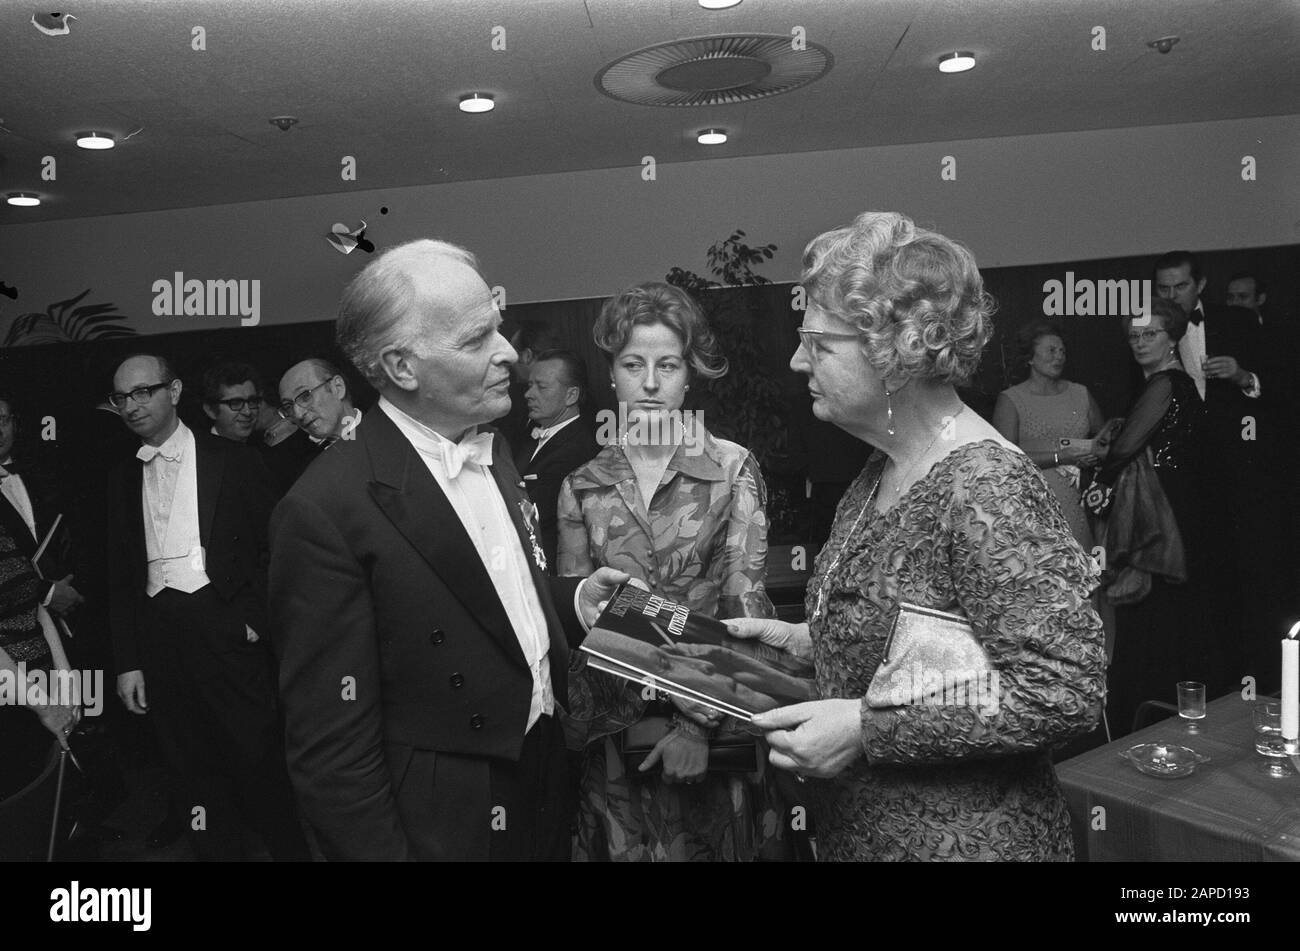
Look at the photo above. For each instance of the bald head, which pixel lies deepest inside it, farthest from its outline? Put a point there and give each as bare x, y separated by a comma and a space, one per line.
147, 408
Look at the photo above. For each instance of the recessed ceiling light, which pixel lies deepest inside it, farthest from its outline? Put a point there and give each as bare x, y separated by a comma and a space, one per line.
26, 199
956, 62
95, 140
712, 137
477, 102
718, 4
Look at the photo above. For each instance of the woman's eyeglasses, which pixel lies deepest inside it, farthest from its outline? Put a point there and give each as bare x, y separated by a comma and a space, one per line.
808, 338
1145, 336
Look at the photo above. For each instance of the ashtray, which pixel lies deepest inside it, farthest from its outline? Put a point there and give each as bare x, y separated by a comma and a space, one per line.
1164, 759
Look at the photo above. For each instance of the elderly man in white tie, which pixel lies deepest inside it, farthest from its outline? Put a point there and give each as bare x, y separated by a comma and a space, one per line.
187, 561
423, 652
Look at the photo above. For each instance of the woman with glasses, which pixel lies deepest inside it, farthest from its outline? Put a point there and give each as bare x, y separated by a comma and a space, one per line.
1151, 482
949, 759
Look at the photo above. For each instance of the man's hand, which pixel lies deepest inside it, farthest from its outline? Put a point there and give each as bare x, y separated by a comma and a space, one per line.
597, 589
130, 688
791, 638
1226, 368
65, 598
685, 757
821, 738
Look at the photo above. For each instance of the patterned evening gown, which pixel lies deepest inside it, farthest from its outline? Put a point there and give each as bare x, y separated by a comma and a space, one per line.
982, 534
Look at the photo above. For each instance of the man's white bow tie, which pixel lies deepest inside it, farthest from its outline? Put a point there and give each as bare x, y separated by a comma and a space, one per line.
538, 432
477, 448
150, 453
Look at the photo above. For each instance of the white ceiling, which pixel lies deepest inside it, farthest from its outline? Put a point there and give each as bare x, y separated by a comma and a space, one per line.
380, 81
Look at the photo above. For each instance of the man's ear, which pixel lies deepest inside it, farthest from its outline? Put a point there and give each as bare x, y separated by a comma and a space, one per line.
1262, 299
210, 412
572, 396
1200, 286
174, 391
398, 369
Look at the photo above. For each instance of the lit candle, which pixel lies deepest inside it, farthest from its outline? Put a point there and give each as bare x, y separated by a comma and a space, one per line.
1291, 684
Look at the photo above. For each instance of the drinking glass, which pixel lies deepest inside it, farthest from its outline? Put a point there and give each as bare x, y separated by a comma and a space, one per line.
1191, 703
1268, 738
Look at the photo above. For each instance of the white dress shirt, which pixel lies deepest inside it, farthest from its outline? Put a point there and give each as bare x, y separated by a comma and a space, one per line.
482, 511
547, 433
1191, 349
169, 493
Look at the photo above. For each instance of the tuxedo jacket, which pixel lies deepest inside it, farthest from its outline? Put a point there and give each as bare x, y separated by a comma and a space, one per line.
397, 658
1235, 332
46, 506
235, 502
572, 447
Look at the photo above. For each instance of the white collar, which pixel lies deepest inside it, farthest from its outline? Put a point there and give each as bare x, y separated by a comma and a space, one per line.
420, 435
549, 431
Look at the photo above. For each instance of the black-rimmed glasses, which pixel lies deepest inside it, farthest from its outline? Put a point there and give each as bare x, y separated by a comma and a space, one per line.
141, 394
301, 401
239, 404
1146, 336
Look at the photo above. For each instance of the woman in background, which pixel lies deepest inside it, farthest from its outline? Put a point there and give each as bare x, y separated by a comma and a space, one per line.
686, 517
1046, 408
1162, 632
1037, 414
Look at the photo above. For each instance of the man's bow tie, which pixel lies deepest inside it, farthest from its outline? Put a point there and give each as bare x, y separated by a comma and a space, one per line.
148, 454
538, 432
477, 449
1196, 316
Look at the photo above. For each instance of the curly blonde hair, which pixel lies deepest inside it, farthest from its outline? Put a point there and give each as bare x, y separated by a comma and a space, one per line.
917, 296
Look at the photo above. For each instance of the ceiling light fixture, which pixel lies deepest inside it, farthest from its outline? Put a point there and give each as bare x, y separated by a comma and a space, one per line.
477, 102
1164, 44
24, 199
712, 137
95, 140
283, 123
957, 62
719, 4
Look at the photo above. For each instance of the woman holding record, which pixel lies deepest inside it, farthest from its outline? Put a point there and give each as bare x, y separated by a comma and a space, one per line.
685, 516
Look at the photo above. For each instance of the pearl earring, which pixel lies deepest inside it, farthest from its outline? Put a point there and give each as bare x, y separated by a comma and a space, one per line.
889, 408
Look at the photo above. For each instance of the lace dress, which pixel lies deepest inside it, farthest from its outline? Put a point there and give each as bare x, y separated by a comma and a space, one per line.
981, 533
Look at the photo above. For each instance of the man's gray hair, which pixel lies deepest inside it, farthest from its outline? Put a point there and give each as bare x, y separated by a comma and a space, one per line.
376, 303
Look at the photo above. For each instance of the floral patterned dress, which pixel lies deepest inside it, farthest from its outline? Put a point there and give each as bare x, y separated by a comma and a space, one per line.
981, 534
702, 543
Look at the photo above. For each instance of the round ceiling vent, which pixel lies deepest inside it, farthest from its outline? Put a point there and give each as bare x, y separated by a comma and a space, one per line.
713, 70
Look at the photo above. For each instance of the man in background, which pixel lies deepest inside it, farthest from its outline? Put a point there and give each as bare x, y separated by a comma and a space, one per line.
559, 441
314, 395
231, 400
187, 555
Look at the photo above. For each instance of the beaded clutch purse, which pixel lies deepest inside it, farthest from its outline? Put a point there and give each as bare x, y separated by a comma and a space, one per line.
931, 657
